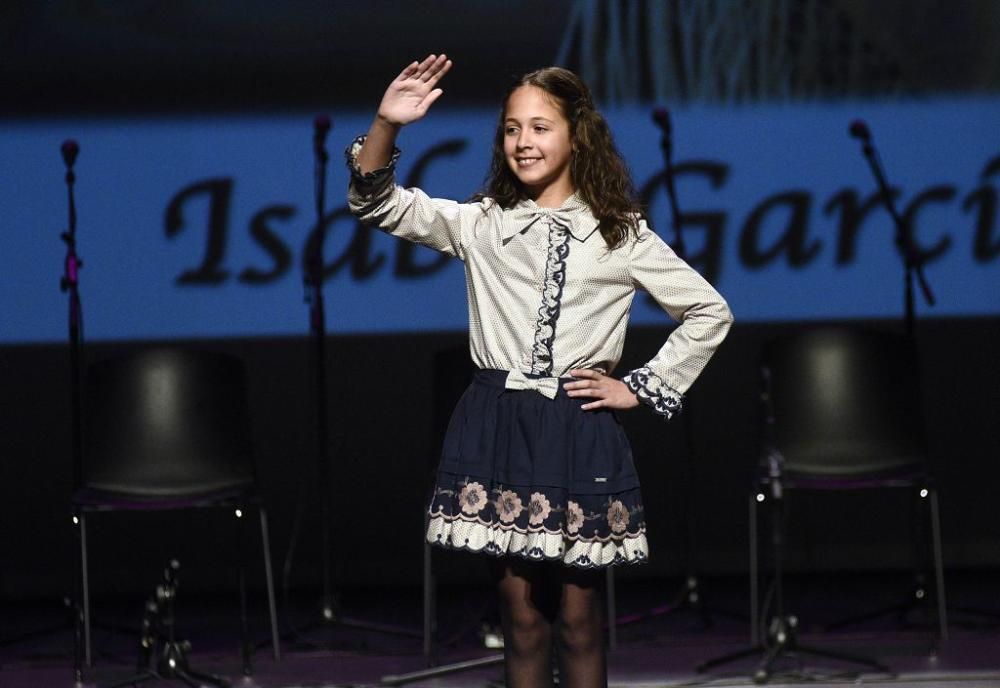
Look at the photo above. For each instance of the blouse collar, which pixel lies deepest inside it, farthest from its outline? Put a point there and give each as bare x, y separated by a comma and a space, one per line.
574, 215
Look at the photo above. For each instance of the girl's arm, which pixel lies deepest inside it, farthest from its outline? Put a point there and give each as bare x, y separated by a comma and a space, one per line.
407, 99
373, 196
704, 318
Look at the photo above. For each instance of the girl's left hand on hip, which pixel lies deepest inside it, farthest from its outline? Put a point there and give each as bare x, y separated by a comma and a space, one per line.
608, 391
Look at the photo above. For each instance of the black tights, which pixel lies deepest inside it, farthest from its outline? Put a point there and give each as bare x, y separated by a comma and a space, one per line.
545, 602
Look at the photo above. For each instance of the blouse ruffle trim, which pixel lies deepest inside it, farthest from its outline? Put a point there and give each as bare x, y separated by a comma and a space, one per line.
548, 313
374, 178
654, 392
542, 545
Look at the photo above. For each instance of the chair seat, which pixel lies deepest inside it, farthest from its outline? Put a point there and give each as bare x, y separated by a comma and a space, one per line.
96, 499
906, 476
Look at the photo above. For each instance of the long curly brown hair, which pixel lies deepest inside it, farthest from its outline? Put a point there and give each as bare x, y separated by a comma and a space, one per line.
599, 173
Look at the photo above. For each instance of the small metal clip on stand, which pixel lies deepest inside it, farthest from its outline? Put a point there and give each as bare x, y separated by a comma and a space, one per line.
161, 654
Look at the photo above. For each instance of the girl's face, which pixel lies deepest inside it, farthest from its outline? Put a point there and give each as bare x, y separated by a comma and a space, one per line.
537, 145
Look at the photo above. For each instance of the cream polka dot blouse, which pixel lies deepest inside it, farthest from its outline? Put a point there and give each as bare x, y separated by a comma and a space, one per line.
545, 293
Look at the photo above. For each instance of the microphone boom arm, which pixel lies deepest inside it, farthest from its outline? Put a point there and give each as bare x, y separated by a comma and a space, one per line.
913, 262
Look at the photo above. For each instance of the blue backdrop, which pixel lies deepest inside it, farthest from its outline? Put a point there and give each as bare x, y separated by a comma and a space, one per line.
195, 227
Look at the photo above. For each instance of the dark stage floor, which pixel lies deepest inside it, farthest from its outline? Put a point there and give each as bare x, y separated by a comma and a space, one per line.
658, 651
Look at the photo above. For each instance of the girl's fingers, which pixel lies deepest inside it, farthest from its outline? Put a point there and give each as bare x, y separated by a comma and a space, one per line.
429, 70
439, 72
429, 100
408, 70
427, 66
588, 391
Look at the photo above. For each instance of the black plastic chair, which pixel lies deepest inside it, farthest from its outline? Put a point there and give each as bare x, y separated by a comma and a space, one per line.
845, 413
169, 429
841, 411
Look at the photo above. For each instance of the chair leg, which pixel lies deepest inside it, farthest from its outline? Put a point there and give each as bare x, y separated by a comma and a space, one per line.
938, 566
428, 585
755, 638
85, 589
269, 575
241, 564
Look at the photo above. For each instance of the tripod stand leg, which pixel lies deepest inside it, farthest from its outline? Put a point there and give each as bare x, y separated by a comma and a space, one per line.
197, 678
727, 658
844, 656
400, 679
138, 678
272, 608
765, 666
186, 678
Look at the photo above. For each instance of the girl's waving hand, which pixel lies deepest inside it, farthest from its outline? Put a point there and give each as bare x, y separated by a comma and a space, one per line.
412, 92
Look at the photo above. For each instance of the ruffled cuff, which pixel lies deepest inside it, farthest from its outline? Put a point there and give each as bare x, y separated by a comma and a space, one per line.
654, 392
375, 178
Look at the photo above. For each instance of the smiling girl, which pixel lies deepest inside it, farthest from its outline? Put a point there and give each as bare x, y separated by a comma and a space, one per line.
535, 468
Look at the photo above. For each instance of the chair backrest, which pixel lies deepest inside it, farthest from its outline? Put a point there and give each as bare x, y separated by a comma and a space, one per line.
846, 402
167, 423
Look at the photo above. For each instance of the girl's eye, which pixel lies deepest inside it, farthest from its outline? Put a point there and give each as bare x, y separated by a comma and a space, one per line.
510, 130
540, 129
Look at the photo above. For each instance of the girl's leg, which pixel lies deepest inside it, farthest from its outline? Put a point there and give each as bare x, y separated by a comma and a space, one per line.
527, 623
582, 662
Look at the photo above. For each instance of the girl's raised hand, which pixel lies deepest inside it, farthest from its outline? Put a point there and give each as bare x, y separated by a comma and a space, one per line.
412, 92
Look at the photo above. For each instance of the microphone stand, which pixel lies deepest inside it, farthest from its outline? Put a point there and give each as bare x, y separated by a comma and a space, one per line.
662, 117
161, 655
313, 283
913, 264
689, 596
70, 283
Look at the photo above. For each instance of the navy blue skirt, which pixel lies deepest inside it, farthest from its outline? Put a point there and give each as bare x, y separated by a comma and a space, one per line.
525, 475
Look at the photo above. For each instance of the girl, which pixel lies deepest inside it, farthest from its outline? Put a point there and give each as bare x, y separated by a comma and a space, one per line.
535, 469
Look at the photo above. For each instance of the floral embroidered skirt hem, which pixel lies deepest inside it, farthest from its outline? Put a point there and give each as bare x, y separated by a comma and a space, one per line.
525, 475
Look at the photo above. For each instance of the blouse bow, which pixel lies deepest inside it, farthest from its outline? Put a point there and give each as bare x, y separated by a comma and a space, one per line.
573, 216
548, 386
